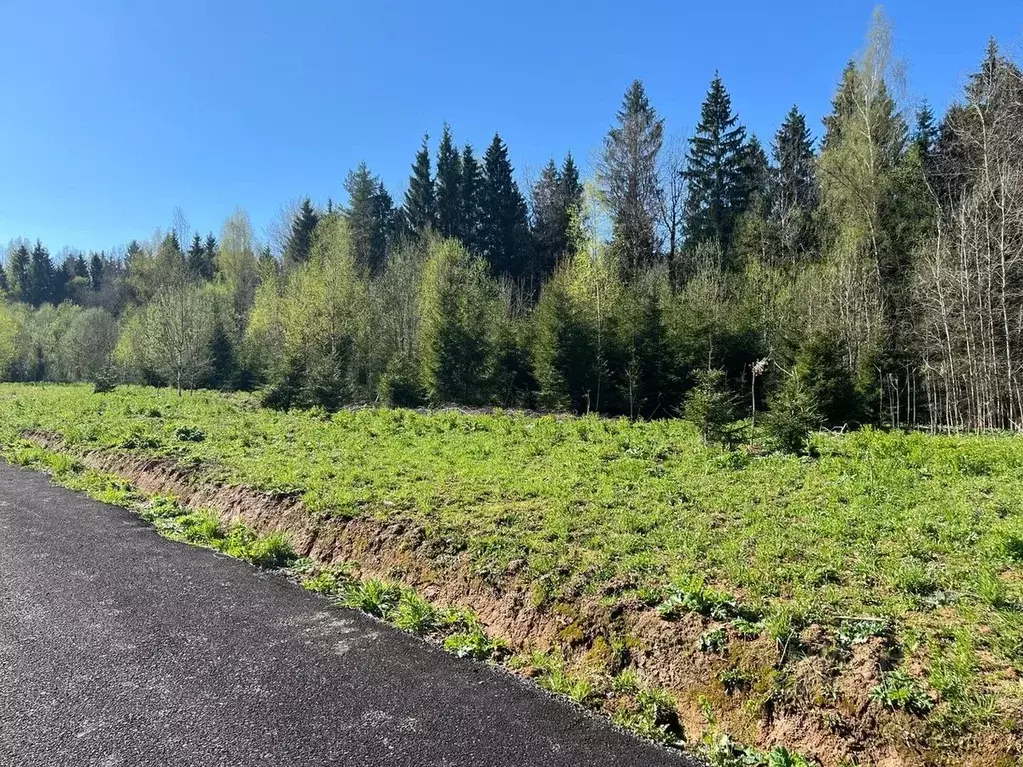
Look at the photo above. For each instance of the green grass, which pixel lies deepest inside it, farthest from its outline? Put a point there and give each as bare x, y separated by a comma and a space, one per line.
914, 538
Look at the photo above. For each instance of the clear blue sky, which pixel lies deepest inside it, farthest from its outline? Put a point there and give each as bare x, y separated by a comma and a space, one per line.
112, 112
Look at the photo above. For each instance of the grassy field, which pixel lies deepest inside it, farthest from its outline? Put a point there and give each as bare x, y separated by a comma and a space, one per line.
913, 536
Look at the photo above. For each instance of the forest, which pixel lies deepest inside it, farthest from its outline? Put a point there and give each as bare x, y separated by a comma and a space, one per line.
869, 275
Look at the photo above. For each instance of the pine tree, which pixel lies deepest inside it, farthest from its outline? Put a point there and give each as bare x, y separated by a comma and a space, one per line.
504, 227
18, 273
361, 213
472, 185
449, 187
420, 206
628, 179
300, 242
795, 193
717, 171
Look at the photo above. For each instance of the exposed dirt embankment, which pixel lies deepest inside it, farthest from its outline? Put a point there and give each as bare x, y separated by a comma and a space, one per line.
823, 710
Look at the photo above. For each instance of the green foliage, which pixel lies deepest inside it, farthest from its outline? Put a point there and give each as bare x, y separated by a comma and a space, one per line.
420, 211
415, 615
472, 644
375, 597
628, 179
400, 385
504, 228
692, 595
793, 416
822, 368
899, 690
716, 170
300, 240
458, 303
713, 640
711, 407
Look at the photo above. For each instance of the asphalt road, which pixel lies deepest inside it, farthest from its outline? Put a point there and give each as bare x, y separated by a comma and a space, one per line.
118, 647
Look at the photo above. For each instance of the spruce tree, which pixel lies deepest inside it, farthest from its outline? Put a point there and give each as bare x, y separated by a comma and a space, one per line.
200, 260
96, 281
925, 133
628, 179
756, 176
5, 288
212, 248
504, 227
361, 213
795, 193
300, 241
449, 187
717, 170
571, 186
39, 289
472, 185
556, 198
383, 228
420, 207
843, 106
18, 273
548, 230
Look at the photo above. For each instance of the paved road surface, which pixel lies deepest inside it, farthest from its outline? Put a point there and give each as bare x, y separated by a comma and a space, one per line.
118, 647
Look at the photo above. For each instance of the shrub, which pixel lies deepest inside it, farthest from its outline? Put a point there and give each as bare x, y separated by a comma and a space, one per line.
105, 380
898, 690
375, 597
710, 406
793, 417
400, 385
189, 434
822, 369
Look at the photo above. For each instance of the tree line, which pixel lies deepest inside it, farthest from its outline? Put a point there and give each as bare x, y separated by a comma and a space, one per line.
873, 275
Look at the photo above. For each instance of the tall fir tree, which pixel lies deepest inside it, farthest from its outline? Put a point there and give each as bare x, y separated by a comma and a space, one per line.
449, 187
361, 186
212, 248
419, 210
504, 225
200, 259
717, 170
547, 228
629, 181
17, 272
96, 269
40, 276
472, 185
795, 193
384, 225
300, 241
556, 201
925, 132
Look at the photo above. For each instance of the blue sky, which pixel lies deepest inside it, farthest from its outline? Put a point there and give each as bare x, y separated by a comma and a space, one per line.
113, 112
